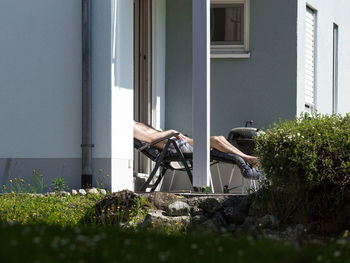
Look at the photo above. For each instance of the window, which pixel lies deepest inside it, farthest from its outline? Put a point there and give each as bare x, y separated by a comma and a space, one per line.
310, 61
229, 28
335, 69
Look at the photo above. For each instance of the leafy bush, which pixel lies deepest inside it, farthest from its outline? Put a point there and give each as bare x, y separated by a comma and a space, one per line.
306, 162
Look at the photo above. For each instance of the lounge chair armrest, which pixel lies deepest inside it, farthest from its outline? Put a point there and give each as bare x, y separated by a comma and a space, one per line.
148, 145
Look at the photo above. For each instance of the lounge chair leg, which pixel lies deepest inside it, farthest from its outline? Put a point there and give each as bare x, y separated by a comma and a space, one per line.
159, 179
146, 184
159, 161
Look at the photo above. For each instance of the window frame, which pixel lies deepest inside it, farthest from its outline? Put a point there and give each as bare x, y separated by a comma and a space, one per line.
234, 51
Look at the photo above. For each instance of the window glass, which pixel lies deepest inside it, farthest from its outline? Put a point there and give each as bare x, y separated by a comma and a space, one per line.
226, 24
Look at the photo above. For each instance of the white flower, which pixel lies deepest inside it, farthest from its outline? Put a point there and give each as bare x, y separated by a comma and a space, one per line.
336, 253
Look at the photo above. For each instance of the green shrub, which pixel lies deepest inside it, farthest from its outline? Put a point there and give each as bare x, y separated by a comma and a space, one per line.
306, 162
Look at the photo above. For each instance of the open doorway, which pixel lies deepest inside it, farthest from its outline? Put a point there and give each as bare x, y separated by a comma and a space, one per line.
142, 73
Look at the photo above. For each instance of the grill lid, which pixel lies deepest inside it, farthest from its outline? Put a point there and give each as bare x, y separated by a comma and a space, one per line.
242, 137
243, 132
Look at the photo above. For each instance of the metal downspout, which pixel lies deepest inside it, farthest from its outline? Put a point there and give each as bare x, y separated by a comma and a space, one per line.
86, 177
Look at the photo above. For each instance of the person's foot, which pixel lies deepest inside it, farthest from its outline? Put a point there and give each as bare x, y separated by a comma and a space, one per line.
253, 161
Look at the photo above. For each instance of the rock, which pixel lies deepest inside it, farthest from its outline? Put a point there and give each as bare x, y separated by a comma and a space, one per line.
234, 216
274, 234
158, 218
103, 191
295, 231
223, 230
231, 228
63, 193
210, 205
300, 229
93, 191
52, 193
198, 219
219, 220
196, 211
178, 208
244, 206
74, 192
161, 200
249, 220
232, 201
248, 227
255, 209
289, 230
82, 192
210, 226
313, 227
268, 221
116, 207
40, 195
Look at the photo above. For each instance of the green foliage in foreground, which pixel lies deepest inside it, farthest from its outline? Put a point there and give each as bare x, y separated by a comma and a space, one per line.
51, 210
307, 166
108, 244
51, 229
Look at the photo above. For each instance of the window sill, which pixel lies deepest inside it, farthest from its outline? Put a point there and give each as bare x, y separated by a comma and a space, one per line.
215, 54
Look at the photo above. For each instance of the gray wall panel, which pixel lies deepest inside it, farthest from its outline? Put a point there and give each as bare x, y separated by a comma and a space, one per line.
262, 88
51, 168
40, 78
178, 76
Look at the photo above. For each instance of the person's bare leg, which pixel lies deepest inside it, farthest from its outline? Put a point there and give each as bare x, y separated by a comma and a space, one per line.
220, 143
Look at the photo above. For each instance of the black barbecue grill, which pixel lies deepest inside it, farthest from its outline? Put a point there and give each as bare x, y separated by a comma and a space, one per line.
243, 137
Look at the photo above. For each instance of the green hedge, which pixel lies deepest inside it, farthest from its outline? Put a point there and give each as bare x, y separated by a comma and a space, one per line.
306, 162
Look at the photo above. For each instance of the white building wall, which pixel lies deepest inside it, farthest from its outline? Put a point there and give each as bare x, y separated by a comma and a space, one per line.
328, 12
40, 88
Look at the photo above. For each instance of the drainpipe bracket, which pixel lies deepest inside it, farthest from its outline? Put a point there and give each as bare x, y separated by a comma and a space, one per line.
87, 145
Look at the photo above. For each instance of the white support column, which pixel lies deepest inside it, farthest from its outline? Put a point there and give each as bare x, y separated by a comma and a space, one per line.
201, 91
122, 96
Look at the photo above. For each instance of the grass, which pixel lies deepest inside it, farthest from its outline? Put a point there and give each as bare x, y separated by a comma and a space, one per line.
51, 229
51, 210
110, 244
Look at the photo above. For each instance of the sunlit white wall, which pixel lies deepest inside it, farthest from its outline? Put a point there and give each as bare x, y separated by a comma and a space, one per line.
327, 13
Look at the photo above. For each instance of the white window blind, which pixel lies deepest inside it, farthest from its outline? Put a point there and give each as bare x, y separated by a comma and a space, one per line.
335, 68
310, 59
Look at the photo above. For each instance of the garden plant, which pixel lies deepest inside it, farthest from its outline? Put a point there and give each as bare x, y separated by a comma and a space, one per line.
306, 162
